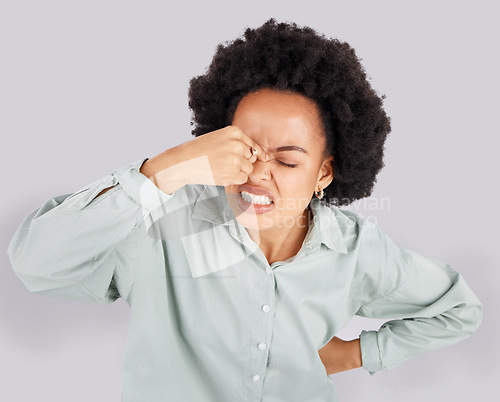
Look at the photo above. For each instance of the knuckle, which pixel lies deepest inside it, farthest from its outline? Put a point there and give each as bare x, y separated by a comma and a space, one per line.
244, 148
235, 131
236, 161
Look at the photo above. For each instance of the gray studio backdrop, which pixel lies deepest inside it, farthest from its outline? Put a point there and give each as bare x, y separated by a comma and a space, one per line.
88, 87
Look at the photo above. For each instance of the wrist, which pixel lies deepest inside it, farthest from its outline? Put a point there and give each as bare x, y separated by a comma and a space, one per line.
356, 360
166, 170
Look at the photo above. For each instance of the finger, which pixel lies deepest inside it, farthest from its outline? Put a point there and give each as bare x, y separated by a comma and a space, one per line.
261, 153
246, 166
245, 150
241, 178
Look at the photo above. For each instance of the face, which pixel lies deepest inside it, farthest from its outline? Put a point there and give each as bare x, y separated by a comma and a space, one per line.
288, 126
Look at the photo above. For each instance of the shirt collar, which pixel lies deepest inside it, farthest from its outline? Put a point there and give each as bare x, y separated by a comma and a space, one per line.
212, 206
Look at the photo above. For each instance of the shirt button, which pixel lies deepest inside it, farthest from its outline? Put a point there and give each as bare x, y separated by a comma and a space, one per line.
262, 346
308, 248
266, 308
268, 270
256, 377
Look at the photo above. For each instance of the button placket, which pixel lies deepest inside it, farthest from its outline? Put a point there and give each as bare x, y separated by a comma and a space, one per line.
266, 308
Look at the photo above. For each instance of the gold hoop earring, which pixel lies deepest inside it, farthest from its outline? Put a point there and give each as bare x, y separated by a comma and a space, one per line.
321, 193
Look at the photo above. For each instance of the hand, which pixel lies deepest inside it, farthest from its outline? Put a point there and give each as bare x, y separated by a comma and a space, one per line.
339, 355
222, 157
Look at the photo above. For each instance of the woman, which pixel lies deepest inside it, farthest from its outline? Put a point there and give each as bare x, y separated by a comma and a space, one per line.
238, 266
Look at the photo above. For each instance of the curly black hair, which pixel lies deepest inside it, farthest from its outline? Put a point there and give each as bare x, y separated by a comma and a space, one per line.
285, 56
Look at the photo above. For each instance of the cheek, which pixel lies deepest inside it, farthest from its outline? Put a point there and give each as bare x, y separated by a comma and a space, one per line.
296, 189
296, 179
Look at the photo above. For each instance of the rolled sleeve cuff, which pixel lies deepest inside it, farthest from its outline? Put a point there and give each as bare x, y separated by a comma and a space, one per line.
139, 188
370, 353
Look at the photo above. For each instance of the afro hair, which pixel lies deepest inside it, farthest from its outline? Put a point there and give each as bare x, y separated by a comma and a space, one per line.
287, 57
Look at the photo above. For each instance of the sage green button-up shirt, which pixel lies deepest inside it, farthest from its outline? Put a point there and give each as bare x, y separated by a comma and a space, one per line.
211, 320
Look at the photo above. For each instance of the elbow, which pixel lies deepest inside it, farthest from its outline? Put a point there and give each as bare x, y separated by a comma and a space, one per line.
16, 261
474, 309
18, 253
27, 278
20, 266
470, 316
36, 275
469, 312
478, 316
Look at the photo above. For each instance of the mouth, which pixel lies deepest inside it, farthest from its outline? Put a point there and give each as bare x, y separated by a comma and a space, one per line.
255, 199
253, 203
255, 195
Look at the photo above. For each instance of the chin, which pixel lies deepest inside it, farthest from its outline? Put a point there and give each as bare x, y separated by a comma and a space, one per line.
254, 222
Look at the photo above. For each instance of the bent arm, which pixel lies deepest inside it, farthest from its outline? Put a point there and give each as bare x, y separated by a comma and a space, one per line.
67, 247
436, 307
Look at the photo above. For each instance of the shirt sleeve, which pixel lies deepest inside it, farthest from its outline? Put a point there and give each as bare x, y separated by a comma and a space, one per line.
433, 302
67, 247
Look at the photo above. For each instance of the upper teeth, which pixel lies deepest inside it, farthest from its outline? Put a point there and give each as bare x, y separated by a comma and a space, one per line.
255, 199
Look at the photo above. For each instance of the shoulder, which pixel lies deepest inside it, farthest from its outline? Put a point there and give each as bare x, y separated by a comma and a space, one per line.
360, 233
351, 222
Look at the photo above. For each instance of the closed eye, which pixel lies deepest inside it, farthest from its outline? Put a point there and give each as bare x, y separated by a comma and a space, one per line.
286, 164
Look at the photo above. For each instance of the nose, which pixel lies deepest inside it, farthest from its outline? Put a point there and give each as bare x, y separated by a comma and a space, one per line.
259, 170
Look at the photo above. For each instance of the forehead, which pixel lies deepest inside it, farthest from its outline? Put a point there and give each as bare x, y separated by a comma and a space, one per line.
278, 117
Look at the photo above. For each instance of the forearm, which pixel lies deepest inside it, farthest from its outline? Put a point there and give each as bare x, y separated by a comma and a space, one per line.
339, 355
176, 167
164, 170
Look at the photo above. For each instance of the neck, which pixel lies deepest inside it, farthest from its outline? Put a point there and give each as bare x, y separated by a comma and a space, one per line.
281, 243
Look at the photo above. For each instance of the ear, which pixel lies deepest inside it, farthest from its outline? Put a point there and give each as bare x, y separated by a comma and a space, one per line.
325, 175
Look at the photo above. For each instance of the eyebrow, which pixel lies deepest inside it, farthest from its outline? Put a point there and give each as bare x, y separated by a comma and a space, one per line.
290, 148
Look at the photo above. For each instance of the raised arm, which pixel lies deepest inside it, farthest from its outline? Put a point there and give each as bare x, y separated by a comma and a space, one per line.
67, 247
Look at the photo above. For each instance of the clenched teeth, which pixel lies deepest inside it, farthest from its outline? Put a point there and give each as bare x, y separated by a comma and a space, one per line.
256, 199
